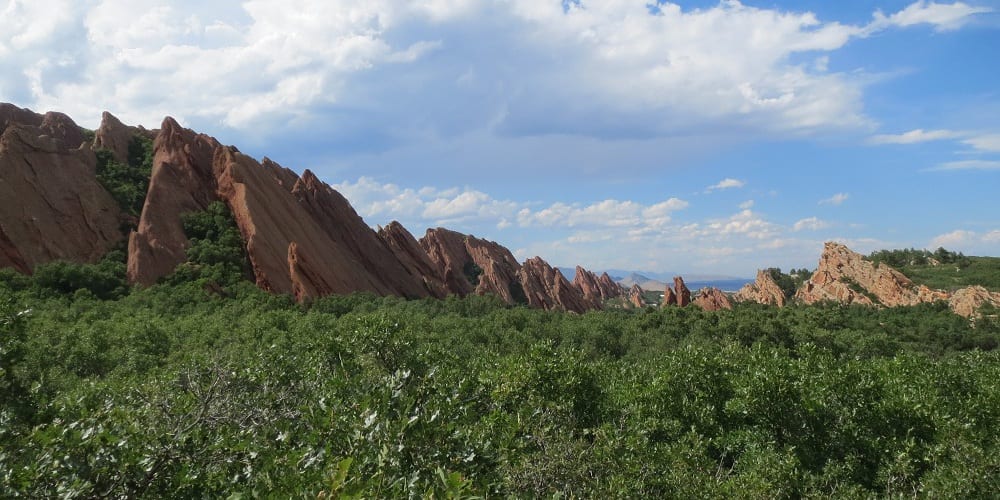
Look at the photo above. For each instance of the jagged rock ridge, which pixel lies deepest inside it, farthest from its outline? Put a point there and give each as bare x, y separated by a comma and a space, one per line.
301, 236
846, 277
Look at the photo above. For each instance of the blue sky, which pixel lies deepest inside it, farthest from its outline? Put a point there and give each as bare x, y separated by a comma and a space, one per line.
700, 137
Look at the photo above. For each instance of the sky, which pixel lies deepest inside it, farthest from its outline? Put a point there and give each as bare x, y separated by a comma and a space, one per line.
701, 137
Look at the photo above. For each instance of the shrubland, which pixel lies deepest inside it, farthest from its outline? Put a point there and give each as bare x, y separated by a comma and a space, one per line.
196, 389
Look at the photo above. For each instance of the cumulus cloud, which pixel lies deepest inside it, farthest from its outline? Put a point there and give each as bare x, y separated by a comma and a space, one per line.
969, 242
727, 183
520, 67
915, 136
811, 224
835, 200
432, 206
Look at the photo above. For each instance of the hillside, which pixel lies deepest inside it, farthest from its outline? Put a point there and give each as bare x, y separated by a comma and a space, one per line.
981, 271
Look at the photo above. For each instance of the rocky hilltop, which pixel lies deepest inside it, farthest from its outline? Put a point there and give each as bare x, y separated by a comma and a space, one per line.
845, 277
301, 236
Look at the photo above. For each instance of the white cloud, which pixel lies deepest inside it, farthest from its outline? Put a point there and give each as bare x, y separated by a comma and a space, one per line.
944, 17
915, 136
811, 224
604, 69
957, 238
969, 165
969, 242
835, 200
985, 142
746, 204
746, 223
727, 183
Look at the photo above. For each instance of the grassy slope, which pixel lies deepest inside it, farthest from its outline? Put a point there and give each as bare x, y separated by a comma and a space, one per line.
983, 271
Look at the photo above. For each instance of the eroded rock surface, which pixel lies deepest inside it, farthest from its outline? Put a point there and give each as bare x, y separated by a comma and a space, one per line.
764, 290
967, 301
712, 299
846, 277
681, 292
51, 205
596, 290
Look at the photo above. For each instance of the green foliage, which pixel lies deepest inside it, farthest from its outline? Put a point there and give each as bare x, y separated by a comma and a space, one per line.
175, 392
472, 272
217, 253
104, 280
982, 271
784, 281
517, 293
127, 183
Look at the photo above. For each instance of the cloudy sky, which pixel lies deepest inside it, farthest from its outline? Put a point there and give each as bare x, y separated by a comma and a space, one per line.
700, 136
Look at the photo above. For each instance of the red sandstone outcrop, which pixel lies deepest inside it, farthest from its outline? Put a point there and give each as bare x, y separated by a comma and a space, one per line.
681, 292
115, 136
51, 205
846, 277
547, 288
596, 290
712, 299
302, 237
967, 301
407, 250
182, 181
471, 265
635, 296
669, 297
763, 290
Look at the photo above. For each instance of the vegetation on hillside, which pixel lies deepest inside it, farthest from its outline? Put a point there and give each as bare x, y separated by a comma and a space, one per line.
942, 268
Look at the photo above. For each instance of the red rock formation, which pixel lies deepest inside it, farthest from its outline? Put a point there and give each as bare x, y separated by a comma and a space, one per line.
762, 291
635, 297
712, 299
844, 276
115, 136
669, 297
409, 253
471, 265
681, 292
596, 290
547, 288
337, 218
182, 181
302, 237
51, 205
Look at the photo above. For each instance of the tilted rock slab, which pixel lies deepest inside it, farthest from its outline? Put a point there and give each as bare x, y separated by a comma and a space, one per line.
302, 237
545, 287
51, 205
596, 290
